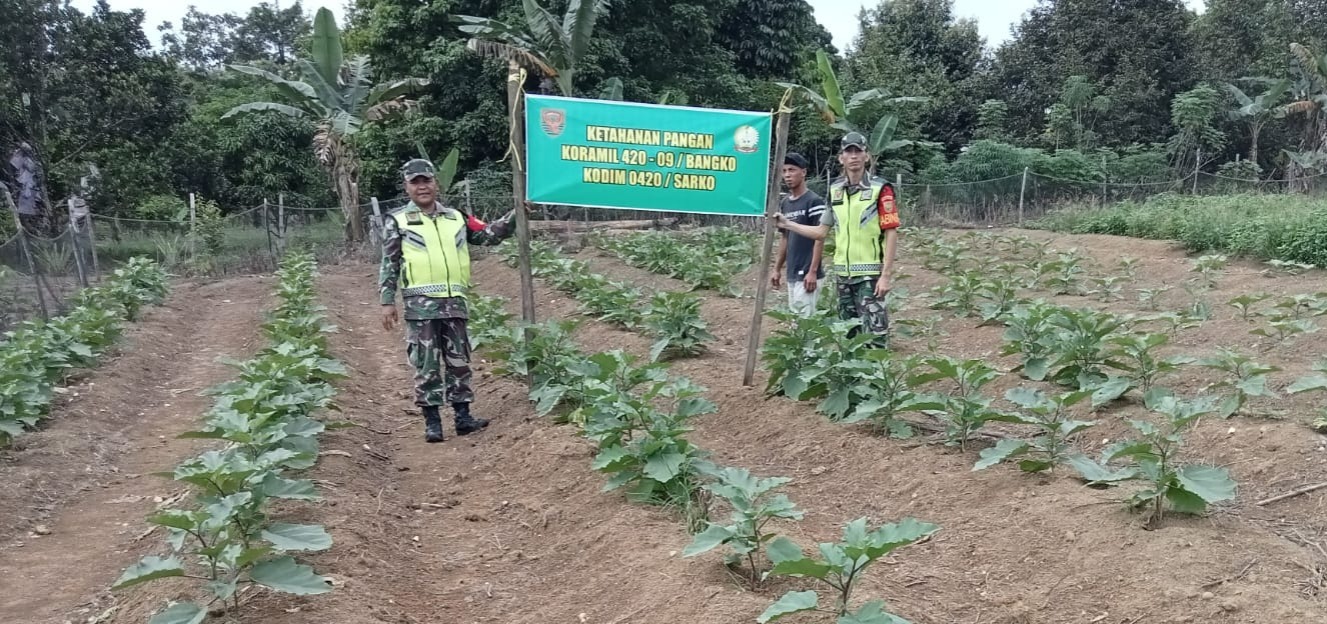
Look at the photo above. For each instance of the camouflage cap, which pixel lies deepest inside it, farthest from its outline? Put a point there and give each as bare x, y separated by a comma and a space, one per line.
853, 139
418, 167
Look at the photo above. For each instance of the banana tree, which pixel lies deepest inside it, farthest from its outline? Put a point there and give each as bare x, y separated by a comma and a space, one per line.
340, 97
845, 113
541, 44
1309, 100
1256, 111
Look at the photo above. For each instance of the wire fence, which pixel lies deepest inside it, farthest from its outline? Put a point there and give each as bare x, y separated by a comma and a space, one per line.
41, 271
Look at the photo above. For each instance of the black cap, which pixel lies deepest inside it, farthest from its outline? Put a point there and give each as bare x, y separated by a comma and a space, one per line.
853, 139
796, 160
418, 167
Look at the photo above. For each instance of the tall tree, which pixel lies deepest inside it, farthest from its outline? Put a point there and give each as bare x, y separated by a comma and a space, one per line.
920, 47
340, 96
770, 38
540, 43
1140, 73
1257, 110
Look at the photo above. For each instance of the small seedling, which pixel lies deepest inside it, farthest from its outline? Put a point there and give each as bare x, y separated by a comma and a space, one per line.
1130, 267
891, 394
965, 410
1050, 415
1245, 303
753, 507
1150, 298
1188, 488
1247, 378
674, 318
840, 567
1209, 268
1135, 355
1290, 268
1107, 288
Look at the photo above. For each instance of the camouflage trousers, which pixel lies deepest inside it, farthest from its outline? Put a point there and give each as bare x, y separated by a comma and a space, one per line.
857, 300
439, 350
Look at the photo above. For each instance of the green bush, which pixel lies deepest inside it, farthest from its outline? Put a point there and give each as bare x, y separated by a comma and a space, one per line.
162, 208
210, 227
1267, 227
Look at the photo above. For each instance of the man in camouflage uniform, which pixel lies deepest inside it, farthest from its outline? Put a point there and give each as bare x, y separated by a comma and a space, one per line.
865, 220
425, 252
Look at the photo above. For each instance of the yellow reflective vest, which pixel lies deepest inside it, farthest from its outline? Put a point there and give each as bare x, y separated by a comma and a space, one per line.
435, 258
860, 218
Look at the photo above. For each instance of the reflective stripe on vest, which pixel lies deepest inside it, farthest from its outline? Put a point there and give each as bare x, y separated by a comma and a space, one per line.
857, 249
434, 256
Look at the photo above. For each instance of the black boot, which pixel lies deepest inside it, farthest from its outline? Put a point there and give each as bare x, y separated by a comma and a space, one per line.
432, 424
465, 423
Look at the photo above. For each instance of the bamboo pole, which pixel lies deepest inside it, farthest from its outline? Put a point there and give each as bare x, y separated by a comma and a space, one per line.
27, 255
1022, 193
78, 252
767, 247
516, 105
193, 228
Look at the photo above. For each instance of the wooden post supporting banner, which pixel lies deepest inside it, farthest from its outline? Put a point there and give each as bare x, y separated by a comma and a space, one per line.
193, 228
516, 105
1022, 193
767, 248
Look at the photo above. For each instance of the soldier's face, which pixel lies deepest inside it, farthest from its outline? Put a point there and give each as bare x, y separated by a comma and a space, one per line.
423, 190
853, 160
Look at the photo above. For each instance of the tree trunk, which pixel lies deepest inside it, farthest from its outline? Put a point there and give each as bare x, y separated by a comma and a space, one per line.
1255, 130
345, 175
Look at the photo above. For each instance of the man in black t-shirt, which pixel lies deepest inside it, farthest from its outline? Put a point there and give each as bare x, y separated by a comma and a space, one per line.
799, 254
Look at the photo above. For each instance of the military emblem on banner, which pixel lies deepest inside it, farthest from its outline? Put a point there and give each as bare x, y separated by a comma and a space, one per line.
746, 140
553, 120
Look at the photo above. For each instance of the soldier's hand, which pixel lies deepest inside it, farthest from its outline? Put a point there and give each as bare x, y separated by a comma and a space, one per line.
882, 287
389, 317
780, 221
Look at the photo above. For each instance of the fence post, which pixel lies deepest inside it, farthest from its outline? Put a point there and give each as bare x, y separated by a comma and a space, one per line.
1197, 166
27, 255
78, 253
375, 232
267, 227
193, 228
1022, 193
92, 246
281, 223
1104, 200
898, 189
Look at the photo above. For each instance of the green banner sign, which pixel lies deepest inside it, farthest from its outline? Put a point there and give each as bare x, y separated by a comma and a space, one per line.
646, 157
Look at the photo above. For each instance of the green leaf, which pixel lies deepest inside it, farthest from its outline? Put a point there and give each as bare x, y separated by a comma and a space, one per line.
148, 569
1209, 483
1002, 450
1184, 501
284, 575
708, 540
180, 613
1111, 389
294, 489
791, 602
872, 612
1308, 383
307, 537
663, 467
1036, 368
829, 83
326, 46
783, 549
883, 134
1093, 472
893, 536
1035, 465
1027, 398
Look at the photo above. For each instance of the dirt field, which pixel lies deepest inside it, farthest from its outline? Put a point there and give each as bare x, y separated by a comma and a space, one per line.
510, 526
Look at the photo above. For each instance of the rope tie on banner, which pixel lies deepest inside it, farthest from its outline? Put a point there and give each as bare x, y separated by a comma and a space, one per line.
519, 78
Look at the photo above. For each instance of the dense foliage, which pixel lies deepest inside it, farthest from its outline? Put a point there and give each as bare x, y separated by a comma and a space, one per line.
1066, 95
